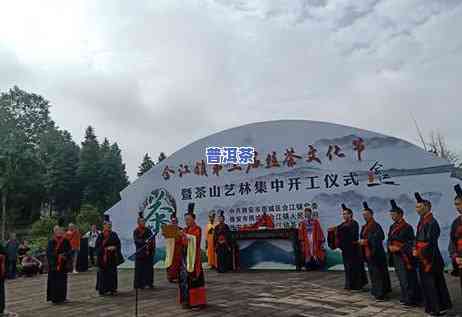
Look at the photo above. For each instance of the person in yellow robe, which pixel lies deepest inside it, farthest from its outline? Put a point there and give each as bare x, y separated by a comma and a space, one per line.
209, 242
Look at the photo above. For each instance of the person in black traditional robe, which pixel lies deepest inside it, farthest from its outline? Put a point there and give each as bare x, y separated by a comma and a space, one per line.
372, 237
223, 245
345, 237
400, 243
455, 242
144, 258
59, 254
109, 256
431, 263
3, 269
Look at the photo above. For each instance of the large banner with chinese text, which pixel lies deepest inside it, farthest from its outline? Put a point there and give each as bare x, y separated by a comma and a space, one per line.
297, 164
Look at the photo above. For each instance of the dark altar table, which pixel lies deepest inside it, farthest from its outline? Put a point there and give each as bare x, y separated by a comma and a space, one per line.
261, 249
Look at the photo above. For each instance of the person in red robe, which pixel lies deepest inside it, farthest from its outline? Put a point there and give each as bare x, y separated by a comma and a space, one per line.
174, 269
312, 242
191, 284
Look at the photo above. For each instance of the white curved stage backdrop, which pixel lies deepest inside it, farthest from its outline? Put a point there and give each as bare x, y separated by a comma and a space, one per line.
310, 163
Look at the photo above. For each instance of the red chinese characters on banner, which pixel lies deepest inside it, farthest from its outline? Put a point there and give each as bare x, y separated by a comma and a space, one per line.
166, 173
291, 157
271, 160
334, 151
200, 168
313, 154
359, 147
256, 163
183, 169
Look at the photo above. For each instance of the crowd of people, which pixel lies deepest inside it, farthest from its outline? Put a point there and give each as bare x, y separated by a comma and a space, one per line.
415, 255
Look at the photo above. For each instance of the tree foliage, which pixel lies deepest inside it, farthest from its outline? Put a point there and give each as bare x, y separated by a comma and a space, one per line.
146, 165
43, 171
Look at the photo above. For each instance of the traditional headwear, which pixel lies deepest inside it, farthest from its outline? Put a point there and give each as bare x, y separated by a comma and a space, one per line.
212, 213
366, 207
222, 213
107, 220
345, 208
421, 200
395, 207
140, 215
191, 210
458, 191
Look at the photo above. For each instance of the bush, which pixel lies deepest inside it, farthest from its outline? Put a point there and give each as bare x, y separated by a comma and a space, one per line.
88, 215
43, 228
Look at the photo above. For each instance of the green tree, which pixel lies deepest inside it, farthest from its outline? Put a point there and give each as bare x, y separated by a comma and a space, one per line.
88, 216
89, 168
146, 165
30, 112
113, 177
60, 156
19, 169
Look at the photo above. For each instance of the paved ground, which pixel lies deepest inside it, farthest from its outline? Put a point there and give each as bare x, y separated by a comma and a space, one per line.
257, 293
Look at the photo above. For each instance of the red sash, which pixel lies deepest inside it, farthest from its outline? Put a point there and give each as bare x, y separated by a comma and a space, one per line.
366, 248
459, 239
107, 252
401, 225
420, 245
427, 265
60, 260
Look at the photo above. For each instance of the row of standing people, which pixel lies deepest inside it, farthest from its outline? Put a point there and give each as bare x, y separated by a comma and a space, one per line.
416, 257
188, 274
60, 254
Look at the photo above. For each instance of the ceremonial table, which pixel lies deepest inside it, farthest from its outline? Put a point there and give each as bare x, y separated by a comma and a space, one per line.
250, 254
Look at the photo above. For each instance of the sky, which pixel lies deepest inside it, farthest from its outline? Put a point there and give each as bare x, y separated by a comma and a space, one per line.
157, 75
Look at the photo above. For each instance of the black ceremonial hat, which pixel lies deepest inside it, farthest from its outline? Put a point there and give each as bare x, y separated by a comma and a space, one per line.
222, 213
107, 219
395, 207
140, 215
418, 198
345, 208
366, 206
458, 190
191, 210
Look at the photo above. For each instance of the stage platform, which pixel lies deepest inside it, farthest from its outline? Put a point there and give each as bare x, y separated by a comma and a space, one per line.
256, 293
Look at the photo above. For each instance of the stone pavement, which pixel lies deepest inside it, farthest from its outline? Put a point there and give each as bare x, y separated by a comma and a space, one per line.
256, 293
